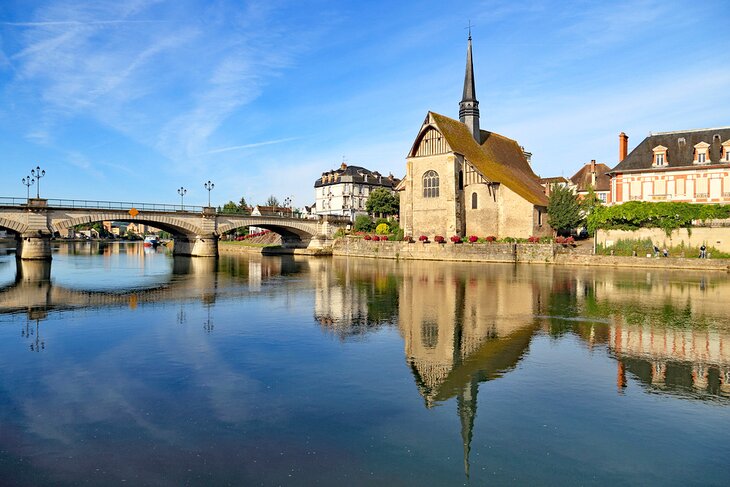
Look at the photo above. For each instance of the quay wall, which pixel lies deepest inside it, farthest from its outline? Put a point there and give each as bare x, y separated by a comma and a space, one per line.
718, 237
464, 252
506, 252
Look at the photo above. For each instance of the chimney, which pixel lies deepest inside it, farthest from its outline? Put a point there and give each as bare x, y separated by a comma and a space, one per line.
593, 173
343, 166
623, 146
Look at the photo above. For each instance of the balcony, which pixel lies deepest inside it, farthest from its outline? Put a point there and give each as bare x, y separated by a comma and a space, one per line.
702, 195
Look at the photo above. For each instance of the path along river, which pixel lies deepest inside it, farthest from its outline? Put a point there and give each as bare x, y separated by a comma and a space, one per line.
125, 366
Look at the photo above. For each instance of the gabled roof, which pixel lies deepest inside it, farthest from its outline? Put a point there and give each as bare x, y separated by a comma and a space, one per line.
679, 153
582, 179
498, 158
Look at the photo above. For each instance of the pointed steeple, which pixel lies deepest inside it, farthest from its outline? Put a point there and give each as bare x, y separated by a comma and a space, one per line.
469, 106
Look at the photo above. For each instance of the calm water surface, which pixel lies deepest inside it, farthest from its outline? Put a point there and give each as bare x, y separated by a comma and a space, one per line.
120, 366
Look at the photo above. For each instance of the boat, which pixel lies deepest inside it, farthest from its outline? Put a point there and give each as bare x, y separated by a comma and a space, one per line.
151, 241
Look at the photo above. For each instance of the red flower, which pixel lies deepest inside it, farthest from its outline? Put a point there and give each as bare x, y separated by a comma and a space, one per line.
473, 238
439, 239
423, 238
491, 238
367, 237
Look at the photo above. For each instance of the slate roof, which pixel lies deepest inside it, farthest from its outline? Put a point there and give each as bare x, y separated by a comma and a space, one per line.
358, 174
498, 158
582, 179
678, 155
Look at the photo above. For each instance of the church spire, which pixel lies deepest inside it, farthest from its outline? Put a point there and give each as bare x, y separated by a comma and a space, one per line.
469, 106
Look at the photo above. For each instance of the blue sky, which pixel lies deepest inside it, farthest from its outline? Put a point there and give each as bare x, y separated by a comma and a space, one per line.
129, 100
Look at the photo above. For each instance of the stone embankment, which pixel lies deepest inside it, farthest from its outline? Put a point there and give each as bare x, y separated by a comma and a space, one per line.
534, 253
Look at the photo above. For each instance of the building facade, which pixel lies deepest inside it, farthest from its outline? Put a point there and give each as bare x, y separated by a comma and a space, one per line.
689, 166
592, 176
345, 191
461, 180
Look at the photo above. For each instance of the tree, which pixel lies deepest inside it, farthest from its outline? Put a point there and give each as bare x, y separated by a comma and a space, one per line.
242, 204
230, 207
272, 201
564, 209
363, 223
382, 202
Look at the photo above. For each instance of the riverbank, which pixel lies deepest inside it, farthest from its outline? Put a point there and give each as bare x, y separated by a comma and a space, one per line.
530, 253
240, 247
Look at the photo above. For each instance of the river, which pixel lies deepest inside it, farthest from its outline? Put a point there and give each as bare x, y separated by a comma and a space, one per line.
120, 365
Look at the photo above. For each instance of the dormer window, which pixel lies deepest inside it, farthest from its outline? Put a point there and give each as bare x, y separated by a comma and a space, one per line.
701, 153
660, 156
725, 151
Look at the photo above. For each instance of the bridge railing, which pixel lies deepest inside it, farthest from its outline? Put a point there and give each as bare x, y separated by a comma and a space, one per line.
104, 205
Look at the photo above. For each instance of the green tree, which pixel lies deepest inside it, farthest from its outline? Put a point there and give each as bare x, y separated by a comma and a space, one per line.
242, 204
363, 223
382, 202
230, 207
272, 201
564, 209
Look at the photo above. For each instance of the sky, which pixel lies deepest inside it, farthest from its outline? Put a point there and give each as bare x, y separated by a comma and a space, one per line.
130, 100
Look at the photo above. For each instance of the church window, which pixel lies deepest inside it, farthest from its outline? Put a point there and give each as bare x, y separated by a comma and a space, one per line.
461, 180
431, 184
474, 201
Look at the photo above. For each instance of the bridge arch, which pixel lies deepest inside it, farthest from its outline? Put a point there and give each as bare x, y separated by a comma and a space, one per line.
175, 226
12, 225
291, 231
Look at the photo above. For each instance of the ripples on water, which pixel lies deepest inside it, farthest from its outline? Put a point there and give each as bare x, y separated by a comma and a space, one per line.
119, 365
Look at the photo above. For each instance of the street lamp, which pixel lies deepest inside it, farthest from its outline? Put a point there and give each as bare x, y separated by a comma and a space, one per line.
287, 204
209, 186
28, 182
182, 192
37, 173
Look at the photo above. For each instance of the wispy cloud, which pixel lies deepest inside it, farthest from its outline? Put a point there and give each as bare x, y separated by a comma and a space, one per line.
251, 146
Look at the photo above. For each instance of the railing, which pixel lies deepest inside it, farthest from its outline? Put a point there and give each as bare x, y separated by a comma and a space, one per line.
155, 207
102, 205
702, 195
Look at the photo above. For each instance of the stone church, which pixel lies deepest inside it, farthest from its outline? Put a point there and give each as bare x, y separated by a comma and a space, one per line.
461, 180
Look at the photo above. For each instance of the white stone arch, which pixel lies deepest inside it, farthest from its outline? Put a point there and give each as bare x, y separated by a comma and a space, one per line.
13, 225
176, 226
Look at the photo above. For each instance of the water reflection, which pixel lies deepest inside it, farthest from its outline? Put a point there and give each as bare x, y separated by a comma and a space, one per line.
248, 360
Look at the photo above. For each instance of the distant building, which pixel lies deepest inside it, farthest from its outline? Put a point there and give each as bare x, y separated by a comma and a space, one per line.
549, 183
690, 165
593, 175
345, 191
284, 211
461, 180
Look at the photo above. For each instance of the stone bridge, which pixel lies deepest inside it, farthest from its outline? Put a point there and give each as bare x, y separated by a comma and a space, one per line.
195, 230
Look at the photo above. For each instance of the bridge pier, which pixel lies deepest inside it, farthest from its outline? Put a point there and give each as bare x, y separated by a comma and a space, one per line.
33, 246
196, 246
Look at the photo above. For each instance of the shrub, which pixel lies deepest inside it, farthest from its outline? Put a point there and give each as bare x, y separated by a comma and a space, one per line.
376, 238
473, 239
363, 223
533, 239
367, 237
559, 240
423, 238
491, 238
439, 239
455, 239
382, 229
569, 241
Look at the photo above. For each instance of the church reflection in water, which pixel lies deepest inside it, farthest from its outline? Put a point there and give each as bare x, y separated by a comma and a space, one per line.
466, 324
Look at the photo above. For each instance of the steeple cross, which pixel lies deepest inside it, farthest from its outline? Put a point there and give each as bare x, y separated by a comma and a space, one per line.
469, 28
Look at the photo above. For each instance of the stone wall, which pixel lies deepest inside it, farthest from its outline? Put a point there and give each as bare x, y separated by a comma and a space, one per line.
465, 252
718, 237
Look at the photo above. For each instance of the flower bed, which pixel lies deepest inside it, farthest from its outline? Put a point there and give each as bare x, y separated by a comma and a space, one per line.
423, 239
439, 239
455, 239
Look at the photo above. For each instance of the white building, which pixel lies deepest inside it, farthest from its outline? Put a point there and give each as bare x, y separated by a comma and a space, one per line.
344, 191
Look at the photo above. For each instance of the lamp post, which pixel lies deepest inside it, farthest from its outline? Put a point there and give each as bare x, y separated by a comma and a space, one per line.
287, 204
38, 173
209, 186
182, 192
28, 182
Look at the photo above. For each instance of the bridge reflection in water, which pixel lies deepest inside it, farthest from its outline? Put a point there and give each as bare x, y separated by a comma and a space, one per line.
462, 325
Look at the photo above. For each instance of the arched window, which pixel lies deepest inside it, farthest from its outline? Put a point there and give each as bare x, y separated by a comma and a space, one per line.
473, 201
431, 184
